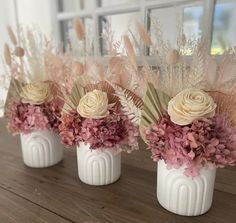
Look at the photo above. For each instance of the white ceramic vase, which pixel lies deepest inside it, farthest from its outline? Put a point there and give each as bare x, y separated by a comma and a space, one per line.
185, 195
98, 167
41, 149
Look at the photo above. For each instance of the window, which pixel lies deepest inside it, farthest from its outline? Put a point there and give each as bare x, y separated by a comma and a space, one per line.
213, 19
224, 26
190, 16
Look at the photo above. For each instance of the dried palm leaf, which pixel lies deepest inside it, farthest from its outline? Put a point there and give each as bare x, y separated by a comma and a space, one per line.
13, 94
72, 101
106, 87
155, 103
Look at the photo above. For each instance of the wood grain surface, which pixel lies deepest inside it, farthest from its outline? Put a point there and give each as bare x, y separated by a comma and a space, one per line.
57, 195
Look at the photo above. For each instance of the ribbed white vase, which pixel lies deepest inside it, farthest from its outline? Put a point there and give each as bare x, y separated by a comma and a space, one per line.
185, 195
98, 167
41, 149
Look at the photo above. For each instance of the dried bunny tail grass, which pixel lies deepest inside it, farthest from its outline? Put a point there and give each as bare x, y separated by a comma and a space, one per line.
143, 34
77, 68
106, 87
11, 35
79, 29
7, 54
129, 49
226, 104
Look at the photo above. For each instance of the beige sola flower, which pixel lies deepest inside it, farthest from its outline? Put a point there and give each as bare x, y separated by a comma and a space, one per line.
94, 104
189, 105
36, 93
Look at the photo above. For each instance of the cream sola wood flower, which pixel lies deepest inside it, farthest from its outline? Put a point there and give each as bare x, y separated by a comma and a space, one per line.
189, 105
94, 104
36, 93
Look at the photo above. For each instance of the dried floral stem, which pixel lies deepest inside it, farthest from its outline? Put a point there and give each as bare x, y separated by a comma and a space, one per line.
11, 35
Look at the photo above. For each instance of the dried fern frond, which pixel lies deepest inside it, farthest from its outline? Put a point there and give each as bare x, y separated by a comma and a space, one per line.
198, 65
79, 29
130, 103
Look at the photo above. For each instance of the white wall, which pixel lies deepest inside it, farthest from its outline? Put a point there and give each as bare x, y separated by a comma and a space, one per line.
7, 17
41, 13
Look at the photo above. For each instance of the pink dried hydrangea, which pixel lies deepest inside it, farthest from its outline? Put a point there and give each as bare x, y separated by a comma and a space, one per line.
69, 129
115, 131
26, 118
209, 142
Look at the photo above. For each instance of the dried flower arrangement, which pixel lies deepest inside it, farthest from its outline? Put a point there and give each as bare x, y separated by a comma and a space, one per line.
104, 107
188, 116
35, 68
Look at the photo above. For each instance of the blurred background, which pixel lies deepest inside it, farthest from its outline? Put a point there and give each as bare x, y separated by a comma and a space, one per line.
212, 19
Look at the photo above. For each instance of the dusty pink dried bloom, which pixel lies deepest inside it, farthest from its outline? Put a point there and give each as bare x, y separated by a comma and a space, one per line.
26, 118
114, 131
69, 129
209, 142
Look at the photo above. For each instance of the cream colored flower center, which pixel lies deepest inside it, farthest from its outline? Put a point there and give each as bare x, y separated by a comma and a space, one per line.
93, 105
36, 93
189, 105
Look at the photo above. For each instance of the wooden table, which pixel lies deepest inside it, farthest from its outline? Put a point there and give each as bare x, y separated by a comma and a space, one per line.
57, 195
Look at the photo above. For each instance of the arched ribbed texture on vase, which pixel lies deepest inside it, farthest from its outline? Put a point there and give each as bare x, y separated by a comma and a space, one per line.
98, 167
185, 195
41, 149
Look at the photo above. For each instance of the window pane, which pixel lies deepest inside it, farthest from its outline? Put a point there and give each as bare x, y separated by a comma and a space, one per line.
224, 26
189, 16
116, 2
69, 38
74, 5
119, 24
193, 21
